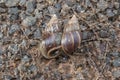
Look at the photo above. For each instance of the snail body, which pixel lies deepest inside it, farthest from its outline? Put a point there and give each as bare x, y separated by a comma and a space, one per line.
67, 41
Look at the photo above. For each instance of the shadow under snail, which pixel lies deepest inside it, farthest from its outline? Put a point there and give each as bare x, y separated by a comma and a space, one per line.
56, 40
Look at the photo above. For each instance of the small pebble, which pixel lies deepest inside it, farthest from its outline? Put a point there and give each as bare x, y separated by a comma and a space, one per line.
58, 6
12, 17
22, 15
1, 35
22, 2
2, 10
104, 34
27, 32
29, 21
38, 14
14, 28
11, 3
109, 13
102, 5
25, 59
116, 74
24, 43
116, 62
13, 10
14, 48
51, 10
33, 68
30, 5
37, 34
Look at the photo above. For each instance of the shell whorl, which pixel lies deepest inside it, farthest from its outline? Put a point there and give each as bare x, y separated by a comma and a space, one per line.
53, 25
72, 25
71, 38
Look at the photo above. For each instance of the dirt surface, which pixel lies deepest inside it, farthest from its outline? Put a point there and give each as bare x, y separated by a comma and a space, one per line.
21, 27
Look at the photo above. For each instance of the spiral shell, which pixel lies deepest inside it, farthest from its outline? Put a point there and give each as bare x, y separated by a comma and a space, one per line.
67, 41
72, 25
71, 38
50, 44
53, 25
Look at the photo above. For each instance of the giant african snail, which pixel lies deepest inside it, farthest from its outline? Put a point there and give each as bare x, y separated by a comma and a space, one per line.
67, 41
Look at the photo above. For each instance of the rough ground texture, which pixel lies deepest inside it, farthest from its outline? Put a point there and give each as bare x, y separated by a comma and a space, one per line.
21, 26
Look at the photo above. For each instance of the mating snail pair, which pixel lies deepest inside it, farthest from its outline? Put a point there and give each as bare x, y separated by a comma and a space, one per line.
56, 40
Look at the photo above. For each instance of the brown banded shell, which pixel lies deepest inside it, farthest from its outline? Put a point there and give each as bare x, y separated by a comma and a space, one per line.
50, 44
72, 25
68, 41
71, 41
71, 37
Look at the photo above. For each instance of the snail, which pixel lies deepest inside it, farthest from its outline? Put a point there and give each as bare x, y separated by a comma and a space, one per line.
71, 37
56, 40
51, 38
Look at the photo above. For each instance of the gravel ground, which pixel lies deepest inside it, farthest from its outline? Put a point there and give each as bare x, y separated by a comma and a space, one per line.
23, 21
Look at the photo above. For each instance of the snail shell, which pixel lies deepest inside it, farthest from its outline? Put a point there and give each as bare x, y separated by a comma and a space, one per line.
71, 41
51, 44
72, 25
68, 41
71, 38
53, 25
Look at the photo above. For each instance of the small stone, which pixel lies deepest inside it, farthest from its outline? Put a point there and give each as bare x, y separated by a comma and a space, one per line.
1, 35
116, 62
22, 15
7, 77
29, 21
21, 67
102, 5
40, 6
13, 10
25, 59
109, 13
30, 5
88, 3
14, 48
58, 6
82, 27
117, 5
115, 54
11, 3
3, 1
2, 10
23, 43
14, 28
86, 35
50, 1
51, 10
79, 8
38, 14
12, 17
116, 74
104, 34
37, 34
27, 32
33, 43
6, 40
70, 3
22, 2
33, 68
